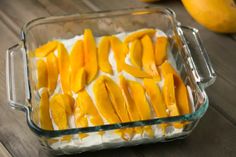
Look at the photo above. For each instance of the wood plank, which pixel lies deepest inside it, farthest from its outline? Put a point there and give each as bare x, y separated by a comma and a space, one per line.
62, 7
3, 151
99, 5
222, 98
20, 12
27, 10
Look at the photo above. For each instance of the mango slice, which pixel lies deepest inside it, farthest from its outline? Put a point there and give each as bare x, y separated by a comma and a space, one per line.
103, 101
61, 107
103, 54
52, 68
68, 102
78, 81
44, 116
64, 68
42, 74
116, 98
169, 95
161, 50
80, 116
157, 101
87, 107
90, 55
137, 105
58, 112
170, 98
77, 56
111, 104
130, 104
45, 49
84, 109
136, 53
148, 59
78, 74
120, 50
139, 34
141, 103
156, 97
136, 72
180, 91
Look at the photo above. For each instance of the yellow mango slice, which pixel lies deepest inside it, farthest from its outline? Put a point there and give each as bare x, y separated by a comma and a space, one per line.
120, 50
141, 103
45, 49
80, 116
136, 53
64, 68
169, 95
58, 112
132, 110
61, 106
68, 102
103, 101
78, 81
139, 34
77, 56
42, 74
135, 71
84, 109
116, 98
90, 55
87, 107
111, 104
161, 50
103, 54
170, 98
148, 59
52, 68
44, 116
78, 73
156, 97
180, 91
130, 104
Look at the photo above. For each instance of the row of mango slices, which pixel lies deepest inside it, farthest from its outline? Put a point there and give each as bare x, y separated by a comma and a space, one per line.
116, 102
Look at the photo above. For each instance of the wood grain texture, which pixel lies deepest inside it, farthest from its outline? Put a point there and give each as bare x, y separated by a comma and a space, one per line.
214, 136
4, 152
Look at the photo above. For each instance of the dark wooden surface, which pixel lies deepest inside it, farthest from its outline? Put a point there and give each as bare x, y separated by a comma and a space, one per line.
214, 136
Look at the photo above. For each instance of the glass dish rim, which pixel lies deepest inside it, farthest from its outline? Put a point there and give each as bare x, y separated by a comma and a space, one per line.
102, 14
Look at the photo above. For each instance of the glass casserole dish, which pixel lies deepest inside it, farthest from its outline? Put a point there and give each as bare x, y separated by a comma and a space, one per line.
190, 57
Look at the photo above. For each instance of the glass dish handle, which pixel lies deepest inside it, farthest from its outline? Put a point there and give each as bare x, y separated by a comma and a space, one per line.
197, 56
16, 77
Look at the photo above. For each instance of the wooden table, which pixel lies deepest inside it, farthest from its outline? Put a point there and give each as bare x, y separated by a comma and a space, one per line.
214, 136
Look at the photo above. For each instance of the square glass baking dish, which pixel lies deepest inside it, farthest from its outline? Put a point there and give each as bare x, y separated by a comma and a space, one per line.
185, 45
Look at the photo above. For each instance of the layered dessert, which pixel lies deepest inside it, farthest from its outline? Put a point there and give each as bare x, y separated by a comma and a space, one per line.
92, 81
